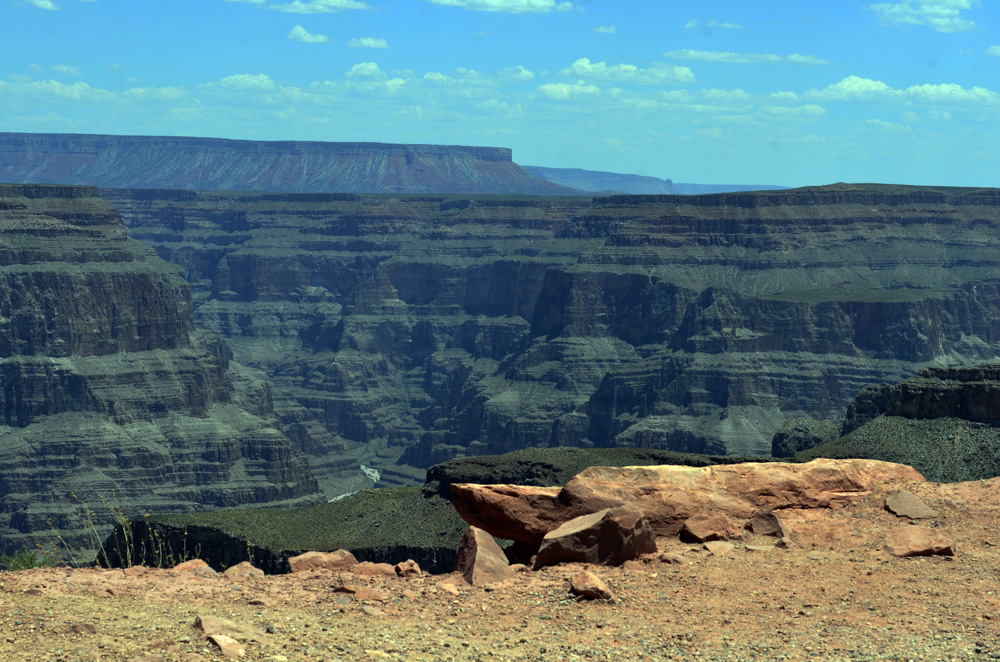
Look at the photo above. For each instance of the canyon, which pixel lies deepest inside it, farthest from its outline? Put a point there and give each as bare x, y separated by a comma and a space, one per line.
400, 331
113, 402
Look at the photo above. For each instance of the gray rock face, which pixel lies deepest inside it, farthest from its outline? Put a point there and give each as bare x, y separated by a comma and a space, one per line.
111, 402
403, 331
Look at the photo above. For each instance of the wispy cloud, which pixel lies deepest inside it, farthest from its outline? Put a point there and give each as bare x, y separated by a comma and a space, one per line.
509, 6
855, 88
247, 83
694, 24
517, 73
67, 70
605, 29
629, 73
299, 33
993, 50
565, 91
744, 58
368, 42
44, 4
308, 6
365, 70
940, 15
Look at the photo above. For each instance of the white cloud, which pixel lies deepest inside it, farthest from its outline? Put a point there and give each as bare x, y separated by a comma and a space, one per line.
855, 88
940, 15
247, 83
509, 6
517, 73
365, 70
67, 69
694, 24
629, 73
808, 110
299, 33
605, 29
317, 6
993, 50
727, 57
888, 126
368, 42
44, 4
169, 93
565, 91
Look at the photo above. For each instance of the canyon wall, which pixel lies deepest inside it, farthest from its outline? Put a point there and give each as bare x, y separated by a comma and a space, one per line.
400, 331
254, 165
112, 402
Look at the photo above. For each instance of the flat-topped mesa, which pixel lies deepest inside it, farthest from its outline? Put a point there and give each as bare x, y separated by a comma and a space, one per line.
253, 165
107, 387
970, 393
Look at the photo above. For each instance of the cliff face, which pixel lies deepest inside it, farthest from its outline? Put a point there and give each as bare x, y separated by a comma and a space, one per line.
246, 165
108, 390
401, 331
944, 421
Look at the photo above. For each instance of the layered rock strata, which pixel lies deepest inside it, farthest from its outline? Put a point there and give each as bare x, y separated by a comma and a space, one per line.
401, 331
254, 165
112, 403
943, 421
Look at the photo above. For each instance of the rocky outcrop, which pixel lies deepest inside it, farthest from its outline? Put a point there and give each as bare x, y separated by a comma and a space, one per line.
112, 403
253, 165
404, 331
669, 495
943, 421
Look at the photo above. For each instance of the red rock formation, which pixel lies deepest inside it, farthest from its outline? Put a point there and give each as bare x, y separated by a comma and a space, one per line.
669, 495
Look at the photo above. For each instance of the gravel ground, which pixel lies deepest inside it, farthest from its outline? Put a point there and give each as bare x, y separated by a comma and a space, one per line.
835, 594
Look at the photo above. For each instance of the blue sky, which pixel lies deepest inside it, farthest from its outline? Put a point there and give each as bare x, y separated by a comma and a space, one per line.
789, 92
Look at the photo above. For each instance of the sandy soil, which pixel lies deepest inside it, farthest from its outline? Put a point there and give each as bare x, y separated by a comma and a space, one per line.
835, 594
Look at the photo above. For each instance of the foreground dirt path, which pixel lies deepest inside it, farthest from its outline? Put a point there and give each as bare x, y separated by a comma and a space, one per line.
834, 595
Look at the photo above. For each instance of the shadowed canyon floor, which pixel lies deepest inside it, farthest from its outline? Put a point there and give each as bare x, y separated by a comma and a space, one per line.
835, 594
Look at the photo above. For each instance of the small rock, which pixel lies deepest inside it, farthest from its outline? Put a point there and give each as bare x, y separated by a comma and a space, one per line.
448, 588
369, 569
672, 558
339, 560
590, 586
189, 566
211, 625
766, 523
227, 645
906, 504
708, 526
410, 595
760, 549
244, 570
408, 568
372, 611
919, 541
719, 547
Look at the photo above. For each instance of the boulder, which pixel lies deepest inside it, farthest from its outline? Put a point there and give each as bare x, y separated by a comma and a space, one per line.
607, 537
919, 541
907, 504
669, 495
480, 559
244, 570
312, 561
515, 512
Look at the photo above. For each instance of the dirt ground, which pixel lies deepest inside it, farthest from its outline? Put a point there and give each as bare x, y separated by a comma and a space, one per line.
834, 594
